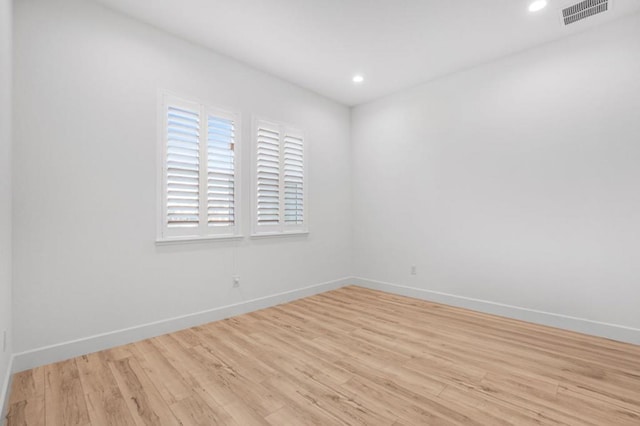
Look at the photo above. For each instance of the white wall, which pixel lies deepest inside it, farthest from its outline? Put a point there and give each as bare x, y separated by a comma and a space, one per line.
85, 126
5, 193
5, 187
516, 182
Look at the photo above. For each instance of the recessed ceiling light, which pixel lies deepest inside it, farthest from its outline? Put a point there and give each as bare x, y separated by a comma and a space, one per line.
537, 5
357, 78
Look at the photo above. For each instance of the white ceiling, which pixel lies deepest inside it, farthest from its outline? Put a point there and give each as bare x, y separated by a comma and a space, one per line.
321, 44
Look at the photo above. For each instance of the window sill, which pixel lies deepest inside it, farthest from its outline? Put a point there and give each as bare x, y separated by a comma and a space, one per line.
280, 234
192, 240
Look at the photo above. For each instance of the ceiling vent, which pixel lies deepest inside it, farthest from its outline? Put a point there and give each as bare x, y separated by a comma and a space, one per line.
584, 9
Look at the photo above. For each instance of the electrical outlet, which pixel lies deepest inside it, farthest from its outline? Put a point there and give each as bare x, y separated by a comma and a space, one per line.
236, 281
413, 270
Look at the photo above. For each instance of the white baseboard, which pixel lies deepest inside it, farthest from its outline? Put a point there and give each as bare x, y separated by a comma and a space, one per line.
4, 391
581, 325
61, 351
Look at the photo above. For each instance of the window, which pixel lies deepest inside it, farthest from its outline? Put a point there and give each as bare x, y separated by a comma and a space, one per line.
199, 171
280, 187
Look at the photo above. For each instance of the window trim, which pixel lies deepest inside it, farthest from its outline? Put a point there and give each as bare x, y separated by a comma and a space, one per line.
282, 229
203, 232
195, 240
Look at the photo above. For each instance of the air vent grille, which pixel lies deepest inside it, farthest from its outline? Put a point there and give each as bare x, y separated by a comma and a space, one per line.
584, 9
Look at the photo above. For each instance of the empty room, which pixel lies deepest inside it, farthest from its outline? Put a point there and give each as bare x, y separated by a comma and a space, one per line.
319, 212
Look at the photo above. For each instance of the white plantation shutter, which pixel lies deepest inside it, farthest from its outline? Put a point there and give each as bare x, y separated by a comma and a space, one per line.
279, 179
268, 175
221, 178
293, 165
200, 169
182, 165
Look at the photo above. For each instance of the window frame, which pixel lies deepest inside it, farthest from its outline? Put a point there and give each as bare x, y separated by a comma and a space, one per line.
281, 229
203, 232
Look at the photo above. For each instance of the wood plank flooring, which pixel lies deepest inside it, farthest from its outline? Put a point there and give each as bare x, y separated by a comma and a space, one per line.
350, 356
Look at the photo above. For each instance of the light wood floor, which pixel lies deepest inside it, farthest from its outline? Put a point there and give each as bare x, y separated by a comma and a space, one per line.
350, 356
